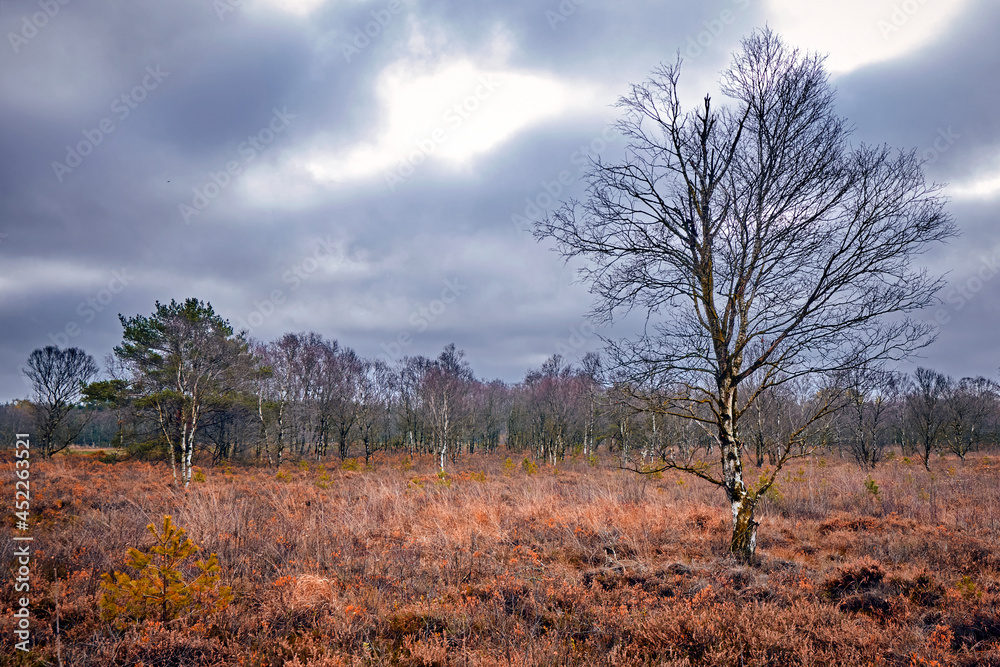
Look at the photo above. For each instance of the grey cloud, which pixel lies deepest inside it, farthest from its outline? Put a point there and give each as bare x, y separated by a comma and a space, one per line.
120, 206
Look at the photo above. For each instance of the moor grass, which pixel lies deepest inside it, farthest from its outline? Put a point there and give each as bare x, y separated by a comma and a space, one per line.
499, 563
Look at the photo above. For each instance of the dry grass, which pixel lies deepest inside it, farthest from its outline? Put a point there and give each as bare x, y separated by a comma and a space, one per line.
571, 566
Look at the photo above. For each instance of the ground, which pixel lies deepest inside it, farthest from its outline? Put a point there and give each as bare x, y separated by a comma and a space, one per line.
505, 562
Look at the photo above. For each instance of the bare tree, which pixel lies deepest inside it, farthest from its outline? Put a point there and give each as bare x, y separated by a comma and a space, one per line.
766, 422
286, 392
375, 387
592, 373
340, 376
491, 404
870, 396
970, 407
57, 379
925, 413
411, 372
445, 386
557, 405
14, 418
756, 239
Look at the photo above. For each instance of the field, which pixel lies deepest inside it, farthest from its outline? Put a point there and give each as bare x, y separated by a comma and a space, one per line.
505, 562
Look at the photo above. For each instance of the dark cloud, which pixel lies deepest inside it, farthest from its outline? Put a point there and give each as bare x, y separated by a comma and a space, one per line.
941, 96
441, 258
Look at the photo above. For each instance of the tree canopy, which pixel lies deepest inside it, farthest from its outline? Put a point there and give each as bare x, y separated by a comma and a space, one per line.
760, 244
183, 359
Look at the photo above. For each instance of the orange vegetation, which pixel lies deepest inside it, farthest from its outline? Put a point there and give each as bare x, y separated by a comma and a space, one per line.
394, 564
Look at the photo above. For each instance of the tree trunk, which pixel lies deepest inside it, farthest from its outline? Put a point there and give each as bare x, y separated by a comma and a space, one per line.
184, 445
744, 541
190, 456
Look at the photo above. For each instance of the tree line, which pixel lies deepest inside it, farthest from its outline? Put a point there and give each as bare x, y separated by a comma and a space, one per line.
184, 386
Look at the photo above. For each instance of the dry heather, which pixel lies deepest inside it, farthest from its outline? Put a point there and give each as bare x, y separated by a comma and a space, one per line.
496, 565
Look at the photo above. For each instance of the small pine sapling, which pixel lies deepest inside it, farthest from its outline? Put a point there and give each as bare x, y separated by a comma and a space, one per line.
161, 591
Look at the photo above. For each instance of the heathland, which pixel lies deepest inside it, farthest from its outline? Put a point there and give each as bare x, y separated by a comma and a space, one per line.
506, 561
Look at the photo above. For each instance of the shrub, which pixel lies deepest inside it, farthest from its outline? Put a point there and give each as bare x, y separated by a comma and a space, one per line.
160, 591
858, 577
107, 457
968, 589
921, 589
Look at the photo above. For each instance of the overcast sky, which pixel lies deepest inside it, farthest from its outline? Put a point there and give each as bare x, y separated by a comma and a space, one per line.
359, 169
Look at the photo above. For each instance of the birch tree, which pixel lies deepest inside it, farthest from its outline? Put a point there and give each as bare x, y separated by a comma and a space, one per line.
970, 407
756, 241
445, 386
183, 360
925, 411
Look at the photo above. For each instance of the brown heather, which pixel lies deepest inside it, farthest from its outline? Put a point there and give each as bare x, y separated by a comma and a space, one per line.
493, 565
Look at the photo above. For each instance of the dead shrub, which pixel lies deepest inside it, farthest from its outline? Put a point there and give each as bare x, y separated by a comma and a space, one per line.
846, 522
309, 592
858, 577
868, 603
977, 631
920, 589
